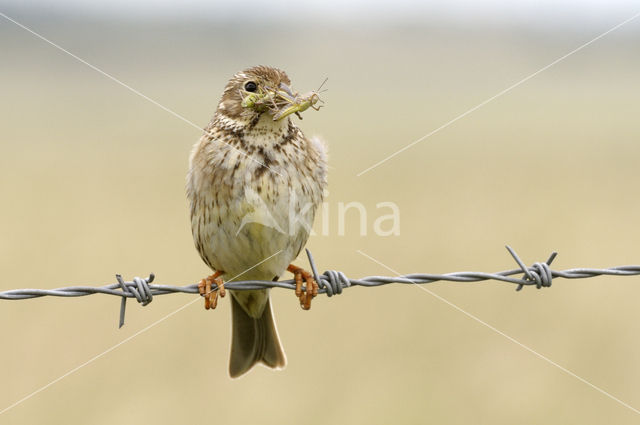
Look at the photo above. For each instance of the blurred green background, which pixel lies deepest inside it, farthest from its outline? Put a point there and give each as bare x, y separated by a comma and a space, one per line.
92, 183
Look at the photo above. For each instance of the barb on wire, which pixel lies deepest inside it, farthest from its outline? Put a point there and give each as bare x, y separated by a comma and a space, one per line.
330, 282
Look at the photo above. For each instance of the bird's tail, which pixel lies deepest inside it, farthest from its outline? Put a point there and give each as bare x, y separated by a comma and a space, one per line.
253, 340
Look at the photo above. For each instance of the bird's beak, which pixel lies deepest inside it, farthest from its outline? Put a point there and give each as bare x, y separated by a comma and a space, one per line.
280, 102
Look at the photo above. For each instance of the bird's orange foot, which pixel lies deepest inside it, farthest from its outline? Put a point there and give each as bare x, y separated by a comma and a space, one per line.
311, 287
211, 295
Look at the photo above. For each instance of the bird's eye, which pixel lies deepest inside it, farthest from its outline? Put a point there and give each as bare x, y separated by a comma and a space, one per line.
250, 86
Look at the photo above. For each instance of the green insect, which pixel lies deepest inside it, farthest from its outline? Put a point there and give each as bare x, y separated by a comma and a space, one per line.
282, 101
295, 103
298, 104
260, 101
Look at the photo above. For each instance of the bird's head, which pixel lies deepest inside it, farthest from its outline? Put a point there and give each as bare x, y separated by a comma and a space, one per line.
262, 89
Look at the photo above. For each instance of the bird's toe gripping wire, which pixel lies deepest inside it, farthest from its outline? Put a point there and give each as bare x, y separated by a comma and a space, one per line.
210, 294
310, 290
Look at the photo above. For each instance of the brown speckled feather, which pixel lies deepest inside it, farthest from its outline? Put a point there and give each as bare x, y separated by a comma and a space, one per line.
254, 185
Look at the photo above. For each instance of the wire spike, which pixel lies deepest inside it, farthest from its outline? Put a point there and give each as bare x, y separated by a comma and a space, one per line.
312, 264
123, 300
519, 261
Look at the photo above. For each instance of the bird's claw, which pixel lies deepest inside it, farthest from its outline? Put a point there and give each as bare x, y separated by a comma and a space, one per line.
310, 289
211, 294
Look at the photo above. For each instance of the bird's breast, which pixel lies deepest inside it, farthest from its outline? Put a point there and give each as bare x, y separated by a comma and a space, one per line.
252, 213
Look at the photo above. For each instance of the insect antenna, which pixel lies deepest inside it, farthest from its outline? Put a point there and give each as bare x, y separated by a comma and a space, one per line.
323, 83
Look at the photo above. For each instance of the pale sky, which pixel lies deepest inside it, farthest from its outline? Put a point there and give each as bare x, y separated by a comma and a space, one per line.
542, 12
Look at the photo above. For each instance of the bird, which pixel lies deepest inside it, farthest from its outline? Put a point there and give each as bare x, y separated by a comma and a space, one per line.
254, 184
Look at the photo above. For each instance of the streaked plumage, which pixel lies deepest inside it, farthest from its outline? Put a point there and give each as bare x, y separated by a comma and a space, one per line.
254, 185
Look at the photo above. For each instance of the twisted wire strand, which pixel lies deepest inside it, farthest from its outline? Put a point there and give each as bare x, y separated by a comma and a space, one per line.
330, 282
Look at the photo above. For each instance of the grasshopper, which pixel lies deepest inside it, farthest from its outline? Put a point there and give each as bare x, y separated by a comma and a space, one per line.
297, 103
282, 101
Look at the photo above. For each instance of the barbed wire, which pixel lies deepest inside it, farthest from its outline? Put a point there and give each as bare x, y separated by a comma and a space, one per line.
330, 282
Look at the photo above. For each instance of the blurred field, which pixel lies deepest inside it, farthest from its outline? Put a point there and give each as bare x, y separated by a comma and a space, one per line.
92, 183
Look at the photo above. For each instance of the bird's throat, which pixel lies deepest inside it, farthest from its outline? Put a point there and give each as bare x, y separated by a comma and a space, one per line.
261, 131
